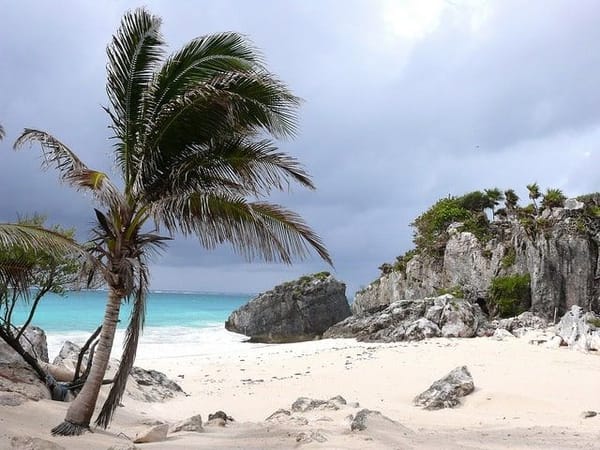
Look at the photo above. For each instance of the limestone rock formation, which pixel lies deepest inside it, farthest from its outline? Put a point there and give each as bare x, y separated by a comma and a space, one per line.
414, 320
157, 433
16, 376
580, 330
445, 392
365, 417
295, 311
151, 385
557, 249
193, 423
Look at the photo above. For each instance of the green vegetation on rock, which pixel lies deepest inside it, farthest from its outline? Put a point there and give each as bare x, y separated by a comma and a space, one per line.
510, 295
455, 291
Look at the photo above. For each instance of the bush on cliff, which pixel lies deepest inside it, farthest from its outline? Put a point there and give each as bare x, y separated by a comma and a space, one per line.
510, 296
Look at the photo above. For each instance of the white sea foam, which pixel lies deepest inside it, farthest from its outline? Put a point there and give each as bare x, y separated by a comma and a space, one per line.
167, 342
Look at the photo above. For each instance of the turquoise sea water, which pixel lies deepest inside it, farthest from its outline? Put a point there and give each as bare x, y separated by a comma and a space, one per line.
177, 323
84, 310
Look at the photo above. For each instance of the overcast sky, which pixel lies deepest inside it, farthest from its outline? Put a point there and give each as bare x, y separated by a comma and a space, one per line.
406, 101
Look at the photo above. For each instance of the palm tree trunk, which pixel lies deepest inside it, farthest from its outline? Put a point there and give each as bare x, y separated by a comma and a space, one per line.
79, 414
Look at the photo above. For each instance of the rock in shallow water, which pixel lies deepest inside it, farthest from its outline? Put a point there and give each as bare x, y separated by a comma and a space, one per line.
445, 392
295, 311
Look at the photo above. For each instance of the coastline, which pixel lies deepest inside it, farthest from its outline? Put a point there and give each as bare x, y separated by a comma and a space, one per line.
526, 396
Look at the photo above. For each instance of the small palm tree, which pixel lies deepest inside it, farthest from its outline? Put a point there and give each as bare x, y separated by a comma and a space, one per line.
534, 193
495, 196
553, 198
511, 199
191, 143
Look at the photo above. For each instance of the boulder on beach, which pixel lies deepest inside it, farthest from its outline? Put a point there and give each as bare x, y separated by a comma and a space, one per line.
16, 376
580, 329
295, 311
445, 392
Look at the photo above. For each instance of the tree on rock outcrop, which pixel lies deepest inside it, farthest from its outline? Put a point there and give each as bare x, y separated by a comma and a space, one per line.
192, 146
534, 193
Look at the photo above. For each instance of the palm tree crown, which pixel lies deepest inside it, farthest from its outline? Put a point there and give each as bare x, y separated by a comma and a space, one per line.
193, 144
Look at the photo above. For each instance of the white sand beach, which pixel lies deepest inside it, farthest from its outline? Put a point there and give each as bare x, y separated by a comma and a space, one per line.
526, 396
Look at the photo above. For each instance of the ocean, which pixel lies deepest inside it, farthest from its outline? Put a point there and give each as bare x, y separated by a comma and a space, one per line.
177, 323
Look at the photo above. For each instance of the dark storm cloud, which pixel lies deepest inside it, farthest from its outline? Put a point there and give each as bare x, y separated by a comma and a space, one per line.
397, 113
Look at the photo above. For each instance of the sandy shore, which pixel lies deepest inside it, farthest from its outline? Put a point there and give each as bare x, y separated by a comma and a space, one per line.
526, 396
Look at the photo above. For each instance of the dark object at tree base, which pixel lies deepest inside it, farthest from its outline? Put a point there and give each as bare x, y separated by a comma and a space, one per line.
70, 429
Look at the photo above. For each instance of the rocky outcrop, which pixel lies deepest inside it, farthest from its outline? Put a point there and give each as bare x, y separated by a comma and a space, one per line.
144, 385
580, 330
151, 386
409, 320
445, 392
558, 249
295, 311
16, 376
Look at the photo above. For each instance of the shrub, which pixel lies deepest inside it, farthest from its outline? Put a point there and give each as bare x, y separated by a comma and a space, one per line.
402, 260
430, 227
510, 256
475, 201
510, 295
479, 225
455, 291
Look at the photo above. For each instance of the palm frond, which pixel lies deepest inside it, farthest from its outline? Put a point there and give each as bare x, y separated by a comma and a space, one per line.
199, 60
1, 132
133, 57
36, 238
71, 169
240, 166
254, 229
17, 267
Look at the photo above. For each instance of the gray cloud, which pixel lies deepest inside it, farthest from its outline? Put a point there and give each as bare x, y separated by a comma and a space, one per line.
485, 94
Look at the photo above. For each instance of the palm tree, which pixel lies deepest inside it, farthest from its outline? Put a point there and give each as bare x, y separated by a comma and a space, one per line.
553, 198
534, 193
192, 146
495, 196
511, 199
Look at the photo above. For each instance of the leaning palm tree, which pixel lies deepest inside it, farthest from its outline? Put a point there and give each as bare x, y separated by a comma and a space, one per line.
534, 194
193, 145
495, 196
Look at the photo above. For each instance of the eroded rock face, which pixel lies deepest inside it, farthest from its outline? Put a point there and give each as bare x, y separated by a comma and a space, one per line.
15, 374
299, 310
445, 392
407, 320
561, 260
151, 386
579, 330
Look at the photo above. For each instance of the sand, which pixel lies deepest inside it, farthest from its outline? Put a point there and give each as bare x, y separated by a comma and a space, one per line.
526, 396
